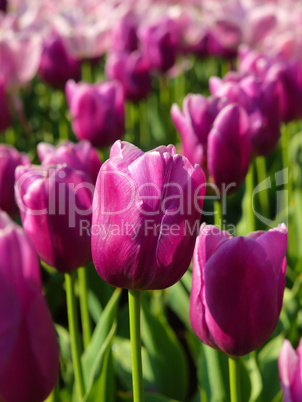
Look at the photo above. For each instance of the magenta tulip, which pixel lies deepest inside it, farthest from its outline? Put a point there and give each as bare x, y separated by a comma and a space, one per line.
160, 43
29, 366
260, 100
97, 111
124, 34
3, 6
10, 158
229, 148
133, 72
290, 371
194, 124
5, 115
146, 213
57, 66
55, 205
234, 278
81, 156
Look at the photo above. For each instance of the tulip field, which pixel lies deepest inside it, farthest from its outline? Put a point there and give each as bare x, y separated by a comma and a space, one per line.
150, 201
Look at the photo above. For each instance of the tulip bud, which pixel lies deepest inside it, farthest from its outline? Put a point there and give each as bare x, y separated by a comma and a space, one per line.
55, 205
57, 66
133, 72
29, 365
97, 111
146, 212
290, 369
3, 5
5, 115
237, 288
10, 158
229, 147
81, 156
260, 100
124, 34
194, 124
160, 42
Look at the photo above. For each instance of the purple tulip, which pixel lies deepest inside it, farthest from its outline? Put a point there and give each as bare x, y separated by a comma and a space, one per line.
133, 72
3, 6
29, 366
55, 205
124, 34
229, 148
57, 66
287, 75
146, 208
194, 124
261, 102
5, 115
223, 39
160, 43
290, 369
81, 156
10, 158
97, 111
237, 288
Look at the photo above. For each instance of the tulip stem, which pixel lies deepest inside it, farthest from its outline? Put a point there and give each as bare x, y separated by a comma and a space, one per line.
134, 297
218, 214
249, 181
74, 332
285, 139
86, 72
86, 323
261, 177
234, 370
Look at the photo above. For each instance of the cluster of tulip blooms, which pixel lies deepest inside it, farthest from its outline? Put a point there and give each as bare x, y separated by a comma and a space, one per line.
137, 215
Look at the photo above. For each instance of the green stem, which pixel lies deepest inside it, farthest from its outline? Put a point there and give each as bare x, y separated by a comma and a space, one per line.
285, 138
74, 332
135, 336
86, 72
218, 213
263, 194
234, 370
249, 181
86, 323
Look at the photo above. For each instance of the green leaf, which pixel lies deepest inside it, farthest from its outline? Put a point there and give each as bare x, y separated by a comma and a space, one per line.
95, 389
121, 350
148, 397
250, 363
166, 355
212, 372
99, 337
268, 365
178, 299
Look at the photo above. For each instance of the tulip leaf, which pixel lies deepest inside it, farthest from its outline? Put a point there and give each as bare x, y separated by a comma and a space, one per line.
166, 355
148, 397
250, 363
121, 350
268, 365
100, 386
212, 372
100, 335
178, 300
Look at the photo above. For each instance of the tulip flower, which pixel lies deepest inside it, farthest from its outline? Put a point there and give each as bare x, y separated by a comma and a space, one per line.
146, 208
260, 100
234, 278
290, 368
81, 156
57, 66
29, 366
133, 72
3, 6
194, 124
55, 205
97, 111
160, 42
5, 115
124, 34
286, 74
10, 158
